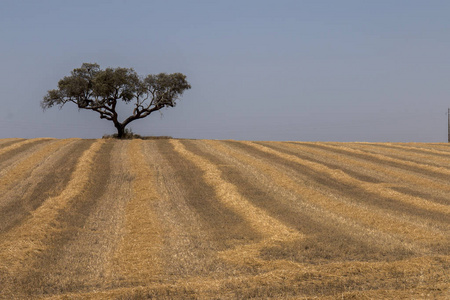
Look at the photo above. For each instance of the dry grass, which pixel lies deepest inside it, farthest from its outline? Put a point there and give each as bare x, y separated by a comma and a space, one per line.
46, 178
80, 255
273, 230
383, 189
137, 256
19, 245
195, 225
7, 142
364, 215
17, 145
167, 219
395, 175
18, 150
20, 170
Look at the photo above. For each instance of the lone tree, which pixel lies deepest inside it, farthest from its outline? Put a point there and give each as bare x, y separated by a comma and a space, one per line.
89, 87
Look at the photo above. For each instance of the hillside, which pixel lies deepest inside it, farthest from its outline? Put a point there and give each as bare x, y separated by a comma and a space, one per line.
169, 218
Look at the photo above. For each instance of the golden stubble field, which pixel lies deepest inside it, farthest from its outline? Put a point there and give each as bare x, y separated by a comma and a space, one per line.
168, 218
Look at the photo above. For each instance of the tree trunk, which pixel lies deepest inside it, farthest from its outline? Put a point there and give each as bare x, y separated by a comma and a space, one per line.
120, 130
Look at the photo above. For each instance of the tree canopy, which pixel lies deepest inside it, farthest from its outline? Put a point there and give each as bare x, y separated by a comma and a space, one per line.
90, 87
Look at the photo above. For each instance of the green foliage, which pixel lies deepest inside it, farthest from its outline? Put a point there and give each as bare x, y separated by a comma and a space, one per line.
90, 87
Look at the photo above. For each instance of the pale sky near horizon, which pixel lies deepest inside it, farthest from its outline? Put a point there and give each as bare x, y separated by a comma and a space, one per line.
376, 71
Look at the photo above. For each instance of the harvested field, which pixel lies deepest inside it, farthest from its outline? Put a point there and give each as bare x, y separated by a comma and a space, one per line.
169, 218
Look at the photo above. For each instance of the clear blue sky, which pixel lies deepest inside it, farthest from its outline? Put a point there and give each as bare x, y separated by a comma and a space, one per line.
260, 70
